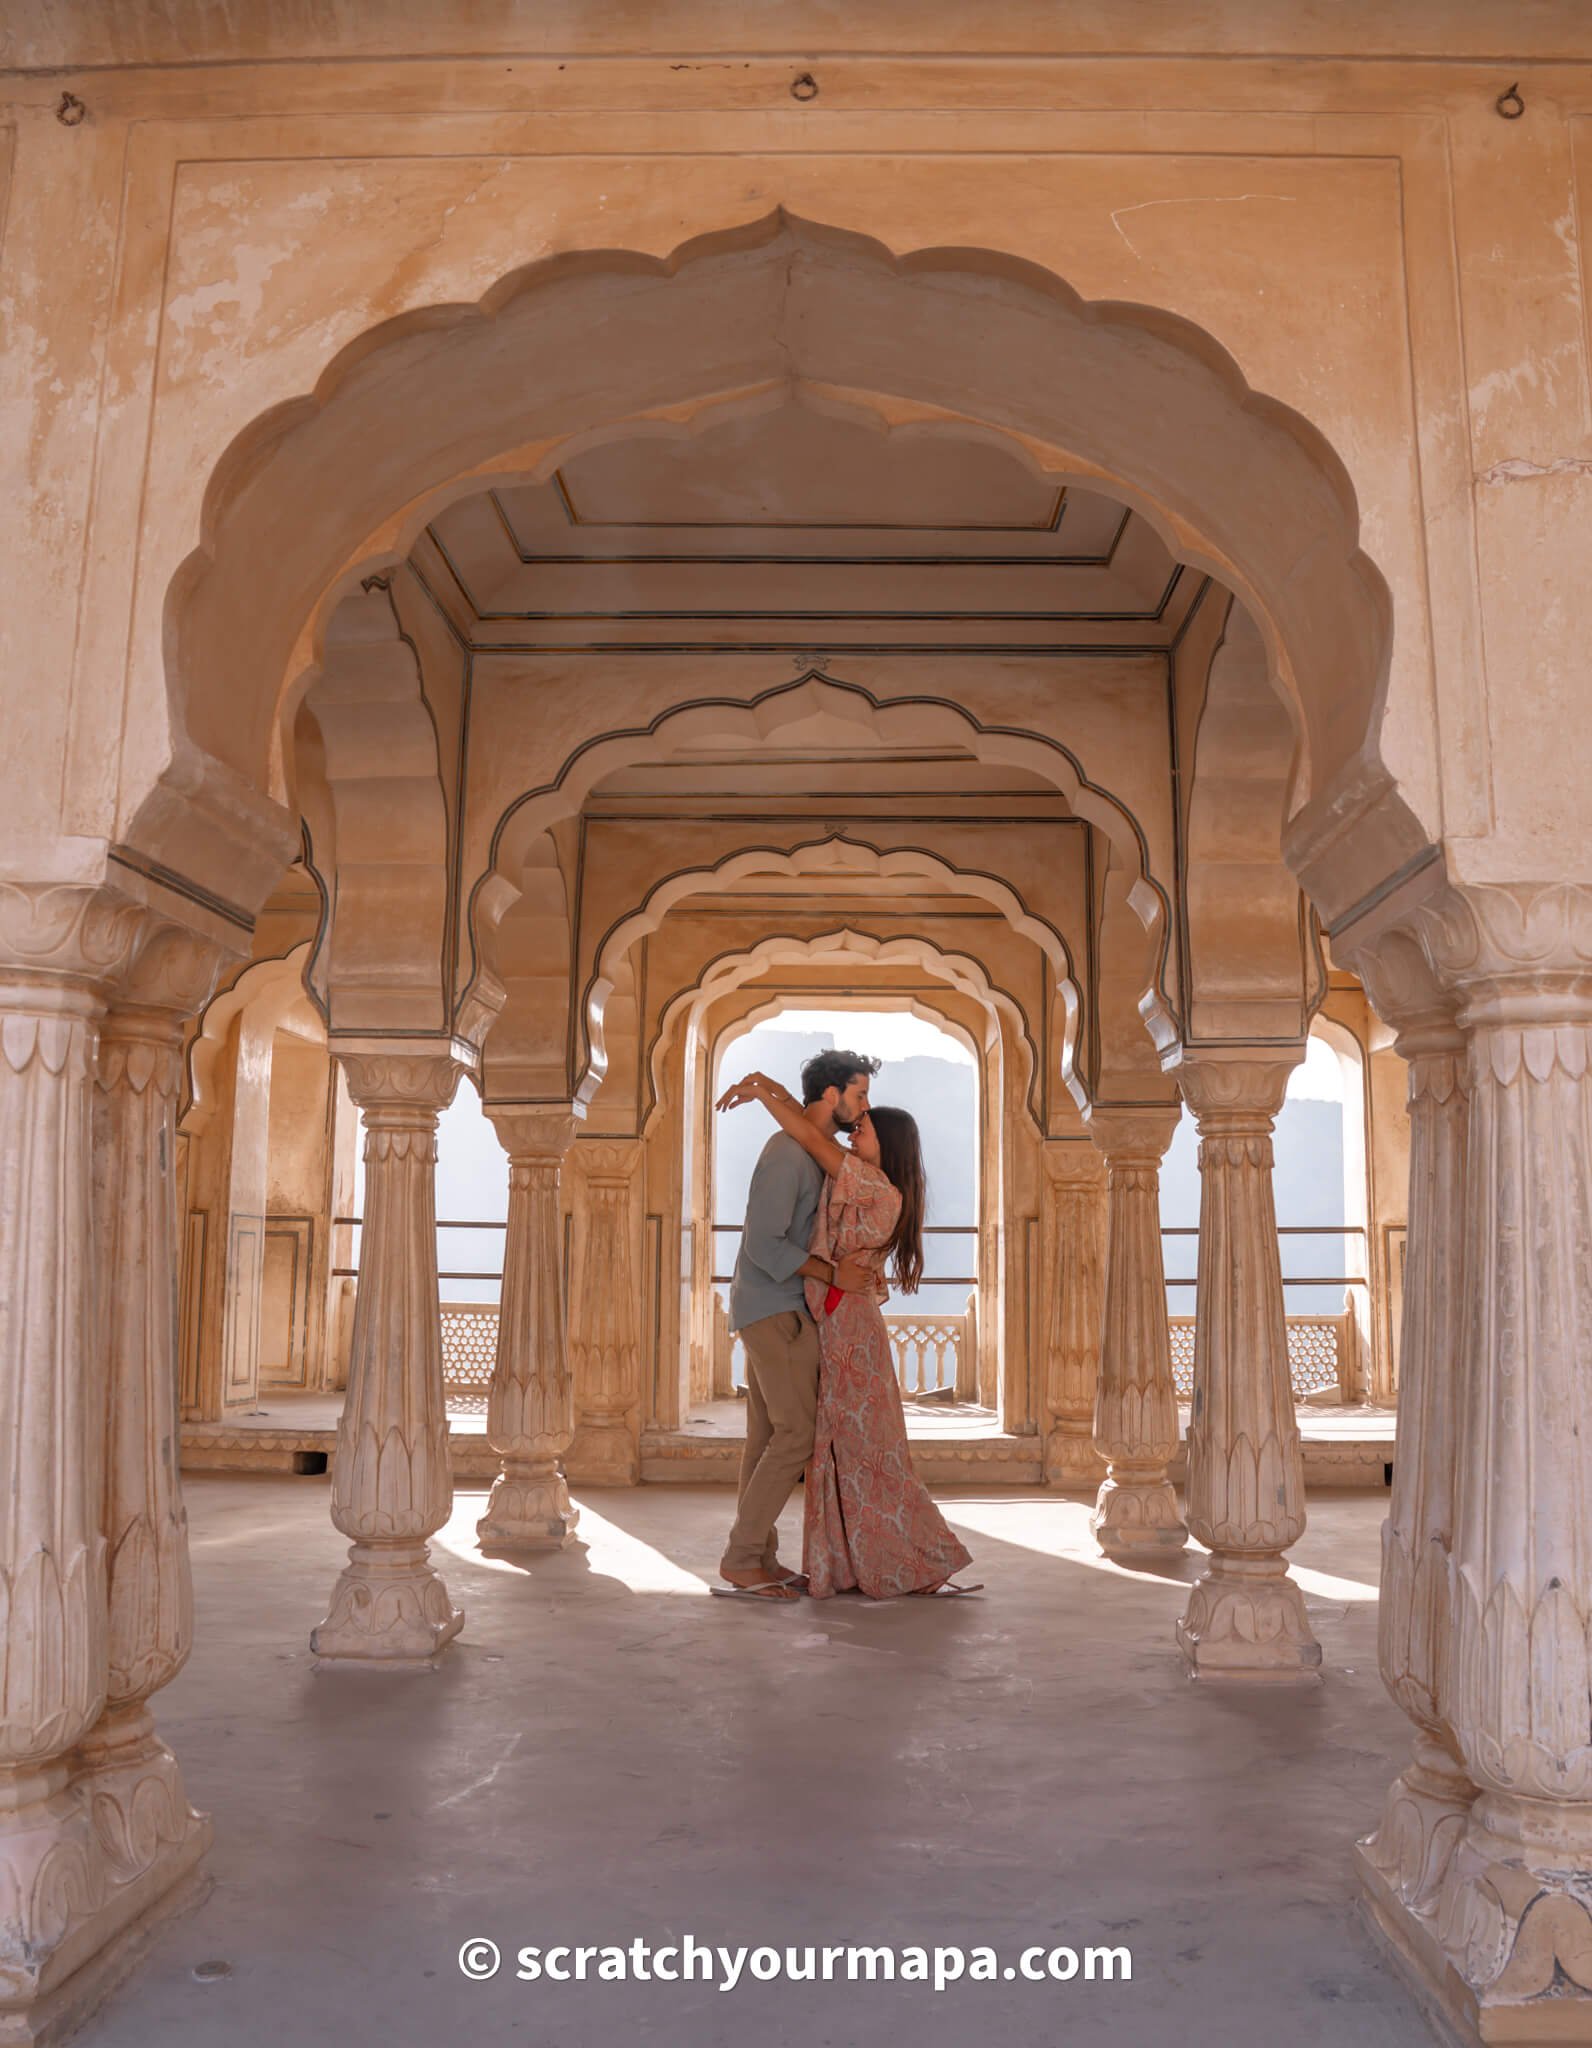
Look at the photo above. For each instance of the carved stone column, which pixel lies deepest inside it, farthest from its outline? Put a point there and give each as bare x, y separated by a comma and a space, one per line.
530, 1414
1135, 1419
604, 1342
59, 948
1427, 1804
1246, 1496
129, 1779
392, 1481
1514, 1916
1076, 1200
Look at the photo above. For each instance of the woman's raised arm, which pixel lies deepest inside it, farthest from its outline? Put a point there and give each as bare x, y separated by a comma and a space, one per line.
787, 1112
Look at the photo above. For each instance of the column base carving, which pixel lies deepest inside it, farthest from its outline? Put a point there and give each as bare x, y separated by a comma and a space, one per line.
389, 1607
1514, 1917
132, 1786
1504, 1955
1072, 1464
1246, 1620
1136, 1518
604, 1454
1423, 1817
73, 1924
529, 1509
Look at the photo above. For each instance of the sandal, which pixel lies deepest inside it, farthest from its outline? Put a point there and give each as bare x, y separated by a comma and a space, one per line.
947, 1588
767, 1590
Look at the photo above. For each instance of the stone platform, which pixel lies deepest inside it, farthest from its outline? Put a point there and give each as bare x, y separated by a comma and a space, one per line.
952, 1444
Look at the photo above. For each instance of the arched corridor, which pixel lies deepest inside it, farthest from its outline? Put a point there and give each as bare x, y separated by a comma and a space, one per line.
554, 603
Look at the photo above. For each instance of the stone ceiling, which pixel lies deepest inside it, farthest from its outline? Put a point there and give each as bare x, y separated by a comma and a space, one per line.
795, 530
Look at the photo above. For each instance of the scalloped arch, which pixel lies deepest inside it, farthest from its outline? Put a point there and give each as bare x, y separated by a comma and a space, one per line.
959, 971
1138, 399
277, 982
815, 698
831, 855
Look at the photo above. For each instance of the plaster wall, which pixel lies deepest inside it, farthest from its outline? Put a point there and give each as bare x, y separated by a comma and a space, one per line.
230, 1187
297, 1213
1353, 225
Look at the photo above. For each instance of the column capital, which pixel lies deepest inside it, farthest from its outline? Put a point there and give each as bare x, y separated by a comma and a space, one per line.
1236, 1090
170, 976
536, 1136
169, 979
608, 1162
1073, 1163
408, 1077
1135, 1137
99, 939
1515, 953
1404, 988
65, 935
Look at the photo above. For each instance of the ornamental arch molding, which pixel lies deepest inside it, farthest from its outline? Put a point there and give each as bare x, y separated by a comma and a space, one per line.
848, 946
373, 775
784, 1004
1250, 970
268, 989
834, 857
336, 483
814, 706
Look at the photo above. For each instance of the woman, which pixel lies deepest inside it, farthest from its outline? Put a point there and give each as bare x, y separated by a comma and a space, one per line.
870, 1523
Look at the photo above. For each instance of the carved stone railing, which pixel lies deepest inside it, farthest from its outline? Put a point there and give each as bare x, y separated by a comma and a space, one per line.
933, 1354
469, 1349
1323, 1355
936, 1354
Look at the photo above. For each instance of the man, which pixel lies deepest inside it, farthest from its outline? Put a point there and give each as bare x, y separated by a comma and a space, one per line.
768, 1307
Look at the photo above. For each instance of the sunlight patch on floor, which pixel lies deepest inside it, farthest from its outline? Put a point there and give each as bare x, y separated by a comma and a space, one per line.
1060, 1528
609, 1551
1051, 1528
613, 1553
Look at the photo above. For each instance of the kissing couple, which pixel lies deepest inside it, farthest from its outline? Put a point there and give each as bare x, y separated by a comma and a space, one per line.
822, 1221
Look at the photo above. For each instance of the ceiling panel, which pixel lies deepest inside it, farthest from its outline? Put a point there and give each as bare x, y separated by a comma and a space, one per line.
795, 467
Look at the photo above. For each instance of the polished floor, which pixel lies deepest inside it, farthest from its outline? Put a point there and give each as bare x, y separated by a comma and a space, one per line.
607, 1753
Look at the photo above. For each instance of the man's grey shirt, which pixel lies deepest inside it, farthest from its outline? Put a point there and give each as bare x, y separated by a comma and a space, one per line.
781, 1208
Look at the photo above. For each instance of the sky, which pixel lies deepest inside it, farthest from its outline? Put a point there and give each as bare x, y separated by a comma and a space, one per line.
887, 1034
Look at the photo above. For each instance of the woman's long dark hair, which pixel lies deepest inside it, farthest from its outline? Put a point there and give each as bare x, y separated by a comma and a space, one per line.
901, 1162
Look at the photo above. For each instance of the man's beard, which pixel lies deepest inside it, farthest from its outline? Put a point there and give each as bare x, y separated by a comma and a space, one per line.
848, 1123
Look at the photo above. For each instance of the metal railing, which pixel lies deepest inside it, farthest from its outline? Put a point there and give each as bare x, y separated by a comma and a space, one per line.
443, 1223
929, 1230
933, 1354
1356, 1230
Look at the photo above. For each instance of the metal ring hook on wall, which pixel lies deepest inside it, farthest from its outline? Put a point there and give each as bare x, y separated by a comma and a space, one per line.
804, 87
1509, 104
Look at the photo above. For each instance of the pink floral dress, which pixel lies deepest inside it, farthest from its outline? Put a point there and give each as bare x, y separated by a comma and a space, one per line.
870, 1522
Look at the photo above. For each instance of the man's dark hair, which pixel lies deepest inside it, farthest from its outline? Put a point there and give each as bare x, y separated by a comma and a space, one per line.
834, 1070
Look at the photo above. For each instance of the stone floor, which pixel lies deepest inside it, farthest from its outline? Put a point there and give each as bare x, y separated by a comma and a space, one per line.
608, 1753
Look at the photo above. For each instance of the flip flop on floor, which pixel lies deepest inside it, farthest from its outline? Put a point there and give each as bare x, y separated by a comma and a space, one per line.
768, 1592
946, 1589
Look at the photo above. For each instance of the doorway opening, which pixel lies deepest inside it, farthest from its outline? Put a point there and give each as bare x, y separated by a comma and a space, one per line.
932, 1072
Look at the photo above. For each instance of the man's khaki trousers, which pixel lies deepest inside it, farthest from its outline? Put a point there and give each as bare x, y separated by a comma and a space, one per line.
781, 1415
